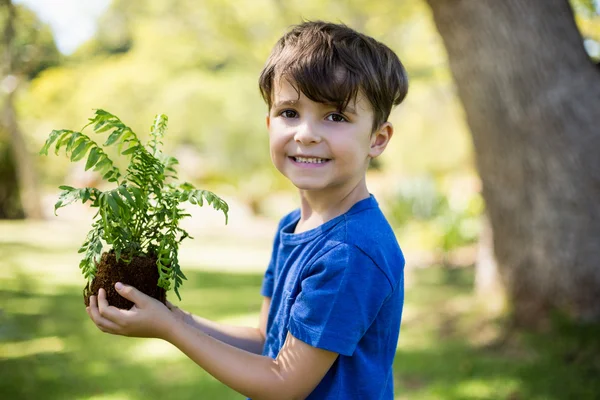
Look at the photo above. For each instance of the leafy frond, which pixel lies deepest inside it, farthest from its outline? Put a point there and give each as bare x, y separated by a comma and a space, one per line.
120, 134
141, 216
92, 247
77, 145
197, 196
70, 194
157, 132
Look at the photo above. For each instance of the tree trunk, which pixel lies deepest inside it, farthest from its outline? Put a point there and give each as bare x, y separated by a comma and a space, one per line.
25, 169
532, 97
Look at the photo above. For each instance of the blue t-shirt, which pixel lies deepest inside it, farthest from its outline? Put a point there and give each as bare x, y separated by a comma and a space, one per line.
339, 287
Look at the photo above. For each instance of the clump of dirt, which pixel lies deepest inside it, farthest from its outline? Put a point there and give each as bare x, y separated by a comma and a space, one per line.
140, 273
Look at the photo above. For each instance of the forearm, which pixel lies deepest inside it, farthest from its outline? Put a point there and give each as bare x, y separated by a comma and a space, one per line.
252, 375
242, 337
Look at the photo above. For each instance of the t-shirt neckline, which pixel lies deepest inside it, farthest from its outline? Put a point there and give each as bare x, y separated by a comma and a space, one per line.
289, 237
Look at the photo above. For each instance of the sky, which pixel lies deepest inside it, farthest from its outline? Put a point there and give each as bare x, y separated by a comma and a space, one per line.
72, 21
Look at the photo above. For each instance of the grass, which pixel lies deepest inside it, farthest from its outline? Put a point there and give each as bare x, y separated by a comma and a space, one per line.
448, 349
451, 349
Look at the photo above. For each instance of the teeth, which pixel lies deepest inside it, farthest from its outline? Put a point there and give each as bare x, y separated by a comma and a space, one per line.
309, 160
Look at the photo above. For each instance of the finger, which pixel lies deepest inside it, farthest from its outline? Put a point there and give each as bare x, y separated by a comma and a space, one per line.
106, 311
101, 323
130, 293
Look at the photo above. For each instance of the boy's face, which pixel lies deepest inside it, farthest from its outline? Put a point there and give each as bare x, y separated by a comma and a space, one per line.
318, 148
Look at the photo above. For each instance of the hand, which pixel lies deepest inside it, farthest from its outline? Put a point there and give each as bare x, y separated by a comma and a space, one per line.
180, 314
147, 318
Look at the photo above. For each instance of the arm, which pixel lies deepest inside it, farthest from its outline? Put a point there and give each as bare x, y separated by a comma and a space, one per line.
243, 337
295, 372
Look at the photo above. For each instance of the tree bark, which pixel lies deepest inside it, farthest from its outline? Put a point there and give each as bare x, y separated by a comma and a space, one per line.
532, 97
25, 169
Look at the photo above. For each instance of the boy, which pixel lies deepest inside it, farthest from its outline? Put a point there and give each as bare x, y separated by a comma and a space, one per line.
333, 291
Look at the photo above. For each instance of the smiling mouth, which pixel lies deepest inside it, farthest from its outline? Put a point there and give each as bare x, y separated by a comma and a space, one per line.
310, 160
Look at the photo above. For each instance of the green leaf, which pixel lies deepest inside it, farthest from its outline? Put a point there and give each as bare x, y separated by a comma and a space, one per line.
81, 152
113, 204
187, 186
184, 196
130, 150
102, 127
57, 206
139, 196
180, 273
93, 158
75, 136
118, 199
113, 137
85, 195
53, 136
125, 193
102, 164
64, 138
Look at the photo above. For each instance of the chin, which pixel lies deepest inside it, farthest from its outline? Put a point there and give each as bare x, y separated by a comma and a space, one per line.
304, 185
308, 187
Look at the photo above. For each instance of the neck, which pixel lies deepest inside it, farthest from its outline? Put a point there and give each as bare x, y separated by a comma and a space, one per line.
318, 207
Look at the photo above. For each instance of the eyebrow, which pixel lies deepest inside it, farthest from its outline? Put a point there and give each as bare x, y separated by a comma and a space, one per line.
350, 110
285, 103
281, 103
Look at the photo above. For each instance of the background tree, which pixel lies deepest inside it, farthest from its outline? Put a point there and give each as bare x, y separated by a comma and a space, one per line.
198, 62
531, 96
27, 49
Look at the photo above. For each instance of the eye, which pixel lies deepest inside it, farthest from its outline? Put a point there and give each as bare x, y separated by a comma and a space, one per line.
335, 117
288, 114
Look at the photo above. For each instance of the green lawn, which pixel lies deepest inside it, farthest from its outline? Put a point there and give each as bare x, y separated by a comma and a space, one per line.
50, 350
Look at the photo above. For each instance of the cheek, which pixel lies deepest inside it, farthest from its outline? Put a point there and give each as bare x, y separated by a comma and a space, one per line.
276, 147
351, 149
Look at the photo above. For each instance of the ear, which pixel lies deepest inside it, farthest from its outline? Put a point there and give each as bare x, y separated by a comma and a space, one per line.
380, 139
268, 120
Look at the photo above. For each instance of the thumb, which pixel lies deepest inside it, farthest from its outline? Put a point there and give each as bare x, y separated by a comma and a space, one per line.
129, 292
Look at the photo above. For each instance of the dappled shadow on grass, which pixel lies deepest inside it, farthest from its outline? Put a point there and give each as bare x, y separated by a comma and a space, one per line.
53, 351
49, 349
441, 354
455, 370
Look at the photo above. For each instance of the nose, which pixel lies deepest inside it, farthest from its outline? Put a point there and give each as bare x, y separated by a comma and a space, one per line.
306, 133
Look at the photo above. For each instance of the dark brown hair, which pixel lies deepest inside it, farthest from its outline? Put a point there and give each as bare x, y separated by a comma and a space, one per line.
330, 63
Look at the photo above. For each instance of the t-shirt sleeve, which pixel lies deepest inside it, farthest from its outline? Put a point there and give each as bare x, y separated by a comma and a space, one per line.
269, 277
341, 294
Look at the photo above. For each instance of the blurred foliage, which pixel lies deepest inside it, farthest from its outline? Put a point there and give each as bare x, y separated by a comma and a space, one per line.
34, 48
448, 218
199, 61
27, 48
587, 16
